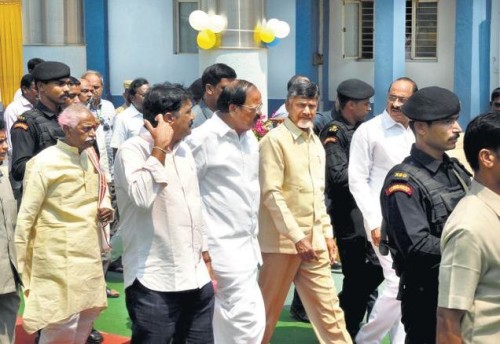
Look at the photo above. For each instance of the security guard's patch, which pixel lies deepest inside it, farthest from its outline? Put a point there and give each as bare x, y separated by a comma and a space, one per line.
398, 175
333, 128
21, 125
21, 118
407, 189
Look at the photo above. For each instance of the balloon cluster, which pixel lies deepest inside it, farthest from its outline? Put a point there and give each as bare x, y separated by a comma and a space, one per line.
271, 32
209, 27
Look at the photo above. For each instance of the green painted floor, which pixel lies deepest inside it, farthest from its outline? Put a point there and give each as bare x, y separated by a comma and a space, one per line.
115, 318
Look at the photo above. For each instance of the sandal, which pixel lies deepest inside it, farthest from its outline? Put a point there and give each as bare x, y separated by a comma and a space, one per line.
111, 293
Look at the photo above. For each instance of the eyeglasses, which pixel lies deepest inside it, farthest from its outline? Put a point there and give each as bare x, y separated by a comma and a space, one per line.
393, 98
257, 108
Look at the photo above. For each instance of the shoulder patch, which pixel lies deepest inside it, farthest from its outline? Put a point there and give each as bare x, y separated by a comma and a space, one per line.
333, 128
331, 139
21, 118
399, 175
21, 125
406, 188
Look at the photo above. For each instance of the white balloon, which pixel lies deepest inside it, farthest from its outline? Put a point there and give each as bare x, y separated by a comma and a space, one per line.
282, 30
273, 24
217, 23
198, 20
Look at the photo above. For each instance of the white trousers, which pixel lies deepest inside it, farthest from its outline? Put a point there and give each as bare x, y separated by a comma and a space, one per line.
386, 313
73, 330
239, 313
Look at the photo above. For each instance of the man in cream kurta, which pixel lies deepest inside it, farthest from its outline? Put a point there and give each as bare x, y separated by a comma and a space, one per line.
295, 235
57, 234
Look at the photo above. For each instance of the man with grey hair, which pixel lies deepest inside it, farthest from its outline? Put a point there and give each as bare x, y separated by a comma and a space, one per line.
59, 233
296, 236
227, 159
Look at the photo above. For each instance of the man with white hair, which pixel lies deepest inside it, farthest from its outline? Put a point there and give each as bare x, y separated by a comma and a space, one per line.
59, 233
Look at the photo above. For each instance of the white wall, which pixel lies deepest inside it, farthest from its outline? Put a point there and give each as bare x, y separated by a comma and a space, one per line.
141, 44
74, 56
425, 73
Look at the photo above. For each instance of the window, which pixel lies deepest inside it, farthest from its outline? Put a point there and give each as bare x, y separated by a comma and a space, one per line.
358, 29
53, 22
185, 35
420, 30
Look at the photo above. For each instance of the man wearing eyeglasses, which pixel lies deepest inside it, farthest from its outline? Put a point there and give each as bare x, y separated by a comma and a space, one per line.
495, 100
226, 153
377, 146
416, 199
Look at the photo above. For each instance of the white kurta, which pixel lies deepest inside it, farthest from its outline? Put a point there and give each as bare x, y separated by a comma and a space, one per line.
228, 167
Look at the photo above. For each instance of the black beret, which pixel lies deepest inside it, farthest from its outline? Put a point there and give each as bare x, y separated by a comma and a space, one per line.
51, 70
355, 89
431, 104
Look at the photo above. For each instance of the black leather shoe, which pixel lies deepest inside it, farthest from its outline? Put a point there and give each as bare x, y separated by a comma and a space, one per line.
299, 315
95, 337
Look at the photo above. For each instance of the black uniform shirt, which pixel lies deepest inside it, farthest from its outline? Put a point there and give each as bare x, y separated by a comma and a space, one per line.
407, 211
29, 138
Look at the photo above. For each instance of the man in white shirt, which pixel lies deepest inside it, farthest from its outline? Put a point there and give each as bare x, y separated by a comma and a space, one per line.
165, 257
376, 147
130, 121
25, 102
102, 109
227, 159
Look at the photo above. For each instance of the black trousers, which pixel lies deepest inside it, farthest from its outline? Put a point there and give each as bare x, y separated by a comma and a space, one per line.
418, 312
159, 317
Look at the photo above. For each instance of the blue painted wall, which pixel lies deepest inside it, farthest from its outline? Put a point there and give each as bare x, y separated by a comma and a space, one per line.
389, 47
306, 38
472, 52
96, 37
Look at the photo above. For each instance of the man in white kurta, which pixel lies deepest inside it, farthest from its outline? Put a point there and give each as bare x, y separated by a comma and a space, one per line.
58, 234
227, 159
376, 147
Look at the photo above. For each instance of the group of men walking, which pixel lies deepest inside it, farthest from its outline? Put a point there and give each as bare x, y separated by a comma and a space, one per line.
216, 225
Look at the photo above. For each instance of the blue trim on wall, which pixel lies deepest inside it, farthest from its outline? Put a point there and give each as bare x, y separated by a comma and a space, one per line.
327, 104
306, 38
274, 104
472, 52
389, 47
96, 37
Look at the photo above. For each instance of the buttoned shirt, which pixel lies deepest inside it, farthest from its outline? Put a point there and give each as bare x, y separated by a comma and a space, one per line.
57, 237
202, 112
292, 179
376, 147
127, 125
8, 213
160, 217
469, 275
105, 112
16, 108
228, 167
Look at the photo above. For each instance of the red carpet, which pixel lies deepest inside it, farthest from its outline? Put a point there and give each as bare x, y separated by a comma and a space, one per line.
23, 338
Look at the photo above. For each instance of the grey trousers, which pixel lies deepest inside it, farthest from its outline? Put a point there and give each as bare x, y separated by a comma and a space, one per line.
9, 306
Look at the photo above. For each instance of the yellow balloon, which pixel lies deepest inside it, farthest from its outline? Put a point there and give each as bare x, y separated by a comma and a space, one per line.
256, 34
218, 40
206, 39
266, 36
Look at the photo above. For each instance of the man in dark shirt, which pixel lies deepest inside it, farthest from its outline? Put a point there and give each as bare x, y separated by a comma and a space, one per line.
417, 198
37, 129
360, 266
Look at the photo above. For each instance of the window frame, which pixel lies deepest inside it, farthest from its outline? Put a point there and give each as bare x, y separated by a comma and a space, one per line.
177, 26
410, 55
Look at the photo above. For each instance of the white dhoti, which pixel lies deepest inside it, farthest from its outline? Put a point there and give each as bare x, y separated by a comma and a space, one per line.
239, 314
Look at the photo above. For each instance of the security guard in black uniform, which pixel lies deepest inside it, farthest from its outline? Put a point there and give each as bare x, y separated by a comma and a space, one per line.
417, 198
37, 128
360, 266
